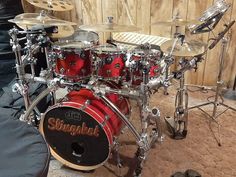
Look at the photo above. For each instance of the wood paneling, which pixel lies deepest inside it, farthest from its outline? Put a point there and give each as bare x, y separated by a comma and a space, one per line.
195, 10
212, 62
144, 13
229, 76
161, 10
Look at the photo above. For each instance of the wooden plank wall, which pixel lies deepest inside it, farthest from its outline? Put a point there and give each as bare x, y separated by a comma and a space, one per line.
144, 13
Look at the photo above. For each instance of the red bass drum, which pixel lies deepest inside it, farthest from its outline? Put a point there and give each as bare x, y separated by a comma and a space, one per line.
80, 129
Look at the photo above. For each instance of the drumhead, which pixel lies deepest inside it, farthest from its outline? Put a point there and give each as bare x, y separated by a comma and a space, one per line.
72, 45
82, 36
152, 52
75, 138
109, 49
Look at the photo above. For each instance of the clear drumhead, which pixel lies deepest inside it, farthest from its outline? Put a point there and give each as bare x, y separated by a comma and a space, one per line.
72, 45
108, 48
220, 6
82, 36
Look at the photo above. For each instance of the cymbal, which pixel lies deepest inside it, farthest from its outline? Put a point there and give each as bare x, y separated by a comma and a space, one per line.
187, 49
55, 5
30, 19
109, 28
177, 22
62, 31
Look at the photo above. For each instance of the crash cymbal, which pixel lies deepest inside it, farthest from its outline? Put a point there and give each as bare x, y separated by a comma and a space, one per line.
187, 49
109, 28
30, 19
62, 31
55, 5
177, 22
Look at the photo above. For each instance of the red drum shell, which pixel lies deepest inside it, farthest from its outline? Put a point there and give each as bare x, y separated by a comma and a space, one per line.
112, 62
80, 130
135, 71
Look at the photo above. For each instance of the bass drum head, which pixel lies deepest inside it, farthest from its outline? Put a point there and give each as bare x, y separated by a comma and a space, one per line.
75, 138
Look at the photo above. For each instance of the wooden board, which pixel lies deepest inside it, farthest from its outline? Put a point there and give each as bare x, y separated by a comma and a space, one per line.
127, 12
161, 10
195, 11
230, 70
143, 15
212, 62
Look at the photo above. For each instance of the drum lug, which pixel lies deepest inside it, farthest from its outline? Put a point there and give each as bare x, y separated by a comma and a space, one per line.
107, 117
124, 58
61, 56
62, 70
83, 55
86, 103
109, 60
117, 65
108, 72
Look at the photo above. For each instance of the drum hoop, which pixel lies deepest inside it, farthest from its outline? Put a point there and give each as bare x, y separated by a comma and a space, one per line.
57, 46
98, 50
137, 52
58, 157
95, 41
71, 77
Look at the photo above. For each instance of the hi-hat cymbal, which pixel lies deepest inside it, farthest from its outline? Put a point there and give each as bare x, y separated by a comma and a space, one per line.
109, 28
187, 49
30, 19
55, 5
177, 22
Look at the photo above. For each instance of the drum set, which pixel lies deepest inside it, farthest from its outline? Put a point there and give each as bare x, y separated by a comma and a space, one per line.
83, 127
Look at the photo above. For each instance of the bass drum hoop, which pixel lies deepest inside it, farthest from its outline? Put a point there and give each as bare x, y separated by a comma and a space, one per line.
65, 162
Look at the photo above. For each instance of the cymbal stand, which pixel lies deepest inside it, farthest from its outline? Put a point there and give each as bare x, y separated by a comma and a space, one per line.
219, 84
21, 86
168, 60
218, 95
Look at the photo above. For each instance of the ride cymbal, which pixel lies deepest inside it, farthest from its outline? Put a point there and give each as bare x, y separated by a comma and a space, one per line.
30, 19
55, 5
177, 22
109, 28
187, 49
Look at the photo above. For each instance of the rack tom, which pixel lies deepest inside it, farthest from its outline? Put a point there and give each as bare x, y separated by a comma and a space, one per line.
72, 56
109, 62
136, 63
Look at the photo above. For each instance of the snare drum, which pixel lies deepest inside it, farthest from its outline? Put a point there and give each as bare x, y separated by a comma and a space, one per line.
109, 62
135, 68
71, 56
80, 129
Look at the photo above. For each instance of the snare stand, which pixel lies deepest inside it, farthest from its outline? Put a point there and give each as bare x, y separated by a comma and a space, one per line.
218, 93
